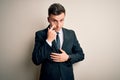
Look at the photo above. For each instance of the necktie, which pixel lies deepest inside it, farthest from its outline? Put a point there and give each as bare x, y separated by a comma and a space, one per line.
58, 40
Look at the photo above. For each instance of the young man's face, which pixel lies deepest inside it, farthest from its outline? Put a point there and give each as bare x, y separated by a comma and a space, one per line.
57, 21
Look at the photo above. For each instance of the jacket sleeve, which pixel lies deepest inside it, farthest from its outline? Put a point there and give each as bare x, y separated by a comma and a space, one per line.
41, 49
77, 52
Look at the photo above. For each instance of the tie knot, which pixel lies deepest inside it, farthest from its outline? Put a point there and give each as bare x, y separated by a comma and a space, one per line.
57, 33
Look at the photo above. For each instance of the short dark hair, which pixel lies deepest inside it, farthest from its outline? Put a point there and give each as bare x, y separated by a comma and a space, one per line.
56, 9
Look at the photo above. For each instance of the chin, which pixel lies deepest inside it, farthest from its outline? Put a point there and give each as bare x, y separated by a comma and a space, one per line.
57, 30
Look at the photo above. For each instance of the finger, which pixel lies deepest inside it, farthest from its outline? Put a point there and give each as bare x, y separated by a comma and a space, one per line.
62, 50
52, 27
54, 58
48, 28
55, 54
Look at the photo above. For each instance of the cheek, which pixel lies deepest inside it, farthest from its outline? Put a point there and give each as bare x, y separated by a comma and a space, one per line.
51, 23
62, 23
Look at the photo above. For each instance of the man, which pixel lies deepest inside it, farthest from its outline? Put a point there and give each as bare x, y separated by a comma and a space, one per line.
56, 48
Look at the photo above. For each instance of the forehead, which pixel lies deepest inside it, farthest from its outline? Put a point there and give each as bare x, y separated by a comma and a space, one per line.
57, 17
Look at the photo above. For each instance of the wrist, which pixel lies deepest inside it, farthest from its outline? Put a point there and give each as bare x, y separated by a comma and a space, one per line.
50, 43
48, 40
69, 57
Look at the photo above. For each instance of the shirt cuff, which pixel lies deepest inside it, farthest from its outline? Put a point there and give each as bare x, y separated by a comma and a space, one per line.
49, 43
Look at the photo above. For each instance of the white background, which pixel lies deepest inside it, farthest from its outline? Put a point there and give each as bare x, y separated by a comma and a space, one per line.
97, 26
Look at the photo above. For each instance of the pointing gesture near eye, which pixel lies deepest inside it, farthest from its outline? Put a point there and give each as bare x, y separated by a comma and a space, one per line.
51, 34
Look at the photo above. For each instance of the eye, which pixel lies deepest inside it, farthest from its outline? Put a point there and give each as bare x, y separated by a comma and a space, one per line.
54, 21
61, 20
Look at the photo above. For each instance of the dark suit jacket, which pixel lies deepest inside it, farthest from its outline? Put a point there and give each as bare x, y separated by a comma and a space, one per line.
54, 70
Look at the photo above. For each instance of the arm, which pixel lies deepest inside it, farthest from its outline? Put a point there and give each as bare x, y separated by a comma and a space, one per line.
41, 50
77, 52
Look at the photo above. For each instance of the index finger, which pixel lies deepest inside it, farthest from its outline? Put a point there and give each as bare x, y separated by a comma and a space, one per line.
52, 27
55, 54
62, 50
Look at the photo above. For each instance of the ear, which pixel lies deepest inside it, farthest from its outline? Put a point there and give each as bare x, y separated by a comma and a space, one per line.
48, 19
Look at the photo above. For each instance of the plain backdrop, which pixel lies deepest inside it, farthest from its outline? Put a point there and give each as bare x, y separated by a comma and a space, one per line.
97, 26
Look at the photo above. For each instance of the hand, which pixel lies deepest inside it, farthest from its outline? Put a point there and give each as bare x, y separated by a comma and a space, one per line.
56, 57
51, 35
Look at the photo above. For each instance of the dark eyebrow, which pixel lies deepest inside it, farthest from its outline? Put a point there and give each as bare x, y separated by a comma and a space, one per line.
60, 19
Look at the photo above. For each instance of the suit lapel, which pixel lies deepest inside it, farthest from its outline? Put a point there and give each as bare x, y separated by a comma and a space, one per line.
65, 39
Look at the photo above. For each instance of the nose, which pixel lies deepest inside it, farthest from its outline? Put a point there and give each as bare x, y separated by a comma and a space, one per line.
58, 24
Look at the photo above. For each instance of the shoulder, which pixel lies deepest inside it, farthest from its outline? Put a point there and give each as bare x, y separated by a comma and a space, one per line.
68, 31
43, 32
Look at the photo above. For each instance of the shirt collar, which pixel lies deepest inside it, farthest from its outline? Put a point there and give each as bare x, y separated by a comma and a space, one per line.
60, 31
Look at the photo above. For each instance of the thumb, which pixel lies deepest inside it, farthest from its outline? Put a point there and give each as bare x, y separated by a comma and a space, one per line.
62, 50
